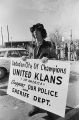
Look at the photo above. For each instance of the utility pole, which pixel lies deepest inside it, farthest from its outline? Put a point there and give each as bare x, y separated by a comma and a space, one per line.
11, 41
70, 43
71, 35
2, 35
8, 33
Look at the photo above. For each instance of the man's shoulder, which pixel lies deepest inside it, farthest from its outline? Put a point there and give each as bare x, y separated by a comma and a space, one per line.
47, 43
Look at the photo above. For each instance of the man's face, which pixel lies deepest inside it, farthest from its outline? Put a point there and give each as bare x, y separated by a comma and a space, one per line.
38, 35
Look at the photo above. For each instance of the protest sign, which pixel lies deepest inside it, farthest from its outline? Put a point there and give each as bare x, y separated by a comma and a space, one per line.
42, 85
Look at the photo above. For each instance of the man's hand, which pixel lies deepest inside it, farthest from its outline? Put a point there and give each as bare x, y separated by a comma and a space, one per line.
24, 58
44, 59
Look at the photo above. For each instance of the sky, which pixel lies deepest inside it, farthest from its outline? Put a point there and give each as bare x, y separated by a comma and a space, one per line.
20, 15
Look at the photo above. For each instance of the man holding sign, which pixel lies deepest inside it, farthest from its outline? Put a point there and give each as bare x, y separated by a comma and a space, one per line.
42, 84
42, 50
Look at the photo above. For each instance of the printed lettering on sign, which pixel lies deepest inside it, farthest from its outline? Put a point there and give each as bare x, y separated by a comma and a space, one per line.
42, 85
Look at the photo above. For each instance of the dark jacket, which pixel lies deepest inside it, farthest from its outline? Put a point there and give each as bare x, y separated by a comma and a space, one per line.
44, 51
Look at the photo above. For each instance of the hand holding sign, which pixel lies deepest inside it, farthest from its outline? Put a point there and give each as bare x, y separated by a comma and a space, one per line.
44, 59
24, 58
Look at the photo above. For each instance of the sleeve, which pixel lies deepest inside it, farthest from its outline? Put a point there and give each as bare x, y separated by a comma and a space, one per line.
49, 54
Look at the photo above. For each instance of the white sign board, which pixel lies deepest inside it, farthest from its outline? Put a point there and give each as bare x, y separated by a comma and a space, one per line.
42, 85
